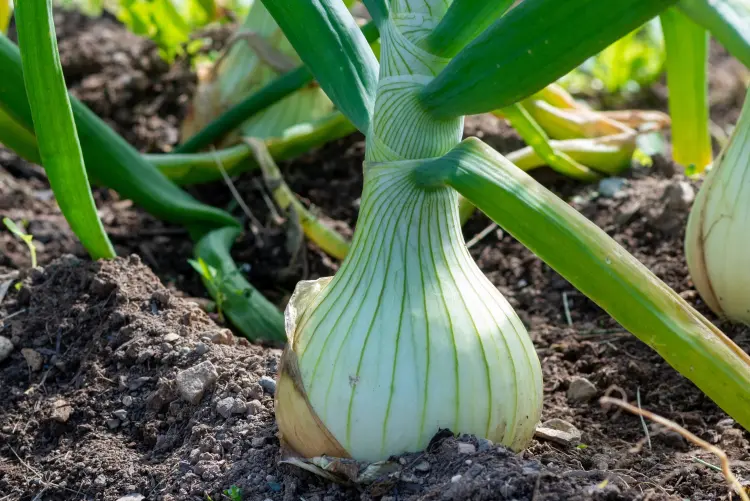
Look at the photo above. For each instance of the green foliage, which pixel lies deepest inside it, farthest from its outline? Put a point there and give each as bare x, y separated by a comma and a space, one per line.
214, 281
327, 38
169, 27
542, 40
54, 125
234, 493
25, 237
727, 20
631, 63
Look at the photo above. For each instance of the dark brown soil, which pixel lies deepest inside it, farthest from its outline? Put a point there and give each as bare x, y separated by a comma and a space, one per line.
109, 337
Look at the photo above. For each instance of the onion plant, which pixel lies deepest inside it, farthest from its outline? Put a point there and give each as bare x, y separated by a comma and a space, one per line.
409, 337
718, 228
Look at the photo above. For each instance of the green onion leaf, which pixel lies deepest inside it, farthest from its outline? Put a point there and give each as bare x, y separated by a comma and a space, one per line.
328, 40
462, 23
378, 10
55, 128
533, 45
687, 78
727, 20
255, 316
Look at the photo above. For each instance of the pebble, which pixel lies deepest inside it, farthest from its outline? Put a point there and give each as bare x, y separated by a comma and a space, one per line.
201, 348
61, 410
423, 466
485, 445
113, 423
581, 390
127, 400
464, 448
258, 442
611, 186
224, 407
136, 383
268, 384
120, 414
193, 382
725, 423
132, 497
254, 407
224, 336
33, 358
679, 196
6, 347
171, 337
100, 481
455, 478
560, 432
239, 407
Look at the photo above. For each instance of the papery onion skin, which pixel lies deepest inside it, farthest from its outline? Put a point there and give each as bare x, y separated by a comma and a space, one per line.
717, 239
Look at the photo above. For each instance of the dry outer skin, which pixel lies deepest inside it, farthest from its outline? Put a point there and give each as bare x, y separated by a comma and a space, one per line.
103, 416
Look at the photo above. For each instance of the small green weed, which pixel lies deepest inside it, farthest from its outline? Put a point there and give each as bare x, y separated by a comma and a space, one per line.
27, 239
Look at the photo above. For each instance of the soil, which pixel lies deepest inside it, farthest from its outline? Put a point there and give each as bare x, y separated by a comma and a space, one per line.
93, 404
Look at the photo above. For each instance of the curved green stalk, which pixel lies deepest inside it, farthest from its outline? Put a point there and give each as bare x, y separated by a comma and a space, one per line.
464, 20
194, 168
248, 310
600, 268
687, 78
18, 138
54, 126
535, 137
322, 235
531, 46
326, 37
609, 155
727, 20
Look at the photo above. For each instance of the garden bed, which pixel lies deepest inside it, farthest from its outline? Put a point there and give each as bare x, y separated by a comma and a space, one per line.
96, 403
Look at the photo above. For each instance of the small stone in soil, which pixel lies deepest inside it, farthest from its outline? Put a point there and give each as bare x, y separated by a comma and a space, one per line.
33, 358
559, 432
132, 497
127, 400
136, 383
455, 478
258, 442
171, 337
224, 336
254, 407
581, 390
120, 414
224, 407
679, 196
201, 348
484, 444
193, 382
61, 411
611, 186
100, 481
464, 448
6, 347
268, 384
113, 423
423, 466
